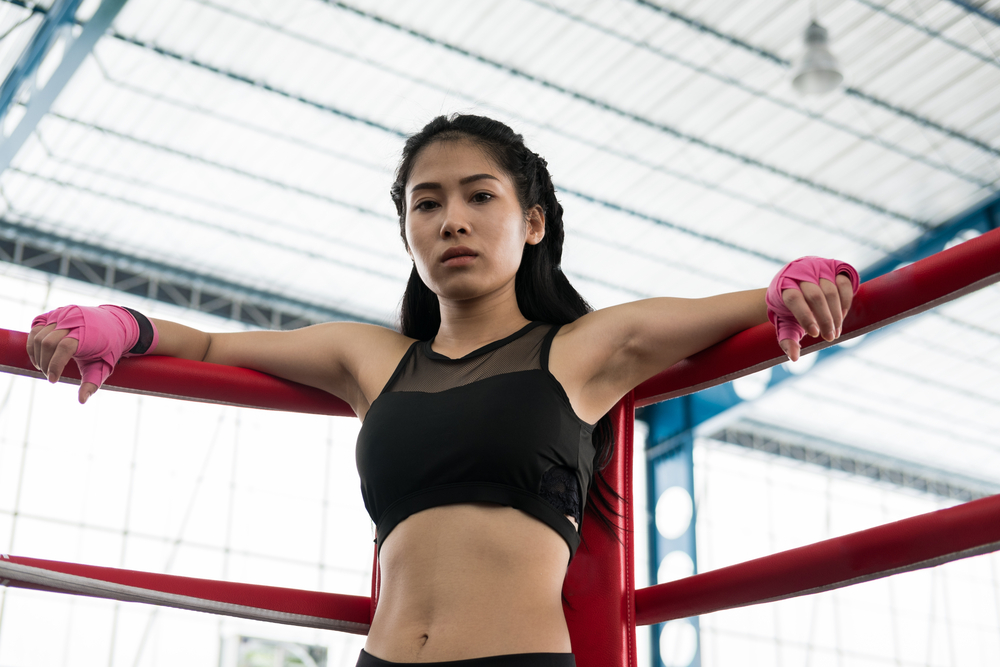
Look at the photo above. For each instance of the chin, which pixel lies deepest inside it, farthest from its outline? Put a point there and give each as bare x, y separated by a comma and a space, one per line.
458, 289
454, 293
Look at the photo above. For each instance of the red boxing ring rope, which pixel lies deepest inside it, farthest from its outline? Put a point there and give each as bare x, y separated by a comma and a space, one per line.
911, 544
908, 291
188, 380
918, 542
329, 611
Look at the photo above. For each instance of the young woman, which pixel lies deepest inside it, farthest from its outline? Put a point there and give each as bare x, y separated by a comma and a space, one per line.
483, 417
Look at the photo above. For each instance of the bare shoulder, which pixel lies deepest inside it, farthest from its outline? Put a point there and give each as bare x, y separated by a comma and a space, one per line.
366, 348
348, 359
367, 355
364, 337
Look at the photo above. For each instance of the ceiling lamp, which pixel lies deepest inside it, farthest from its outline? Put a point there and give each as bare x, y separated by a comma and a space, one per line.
818, 71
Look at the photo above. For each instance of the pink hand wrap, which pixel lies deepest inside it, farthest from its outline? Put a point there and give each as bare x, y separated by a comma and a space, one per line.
105, 334
802, 270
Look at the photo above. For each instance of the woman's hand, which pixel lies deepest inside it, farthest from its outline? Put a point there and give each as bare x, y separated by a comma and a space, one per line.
810, 295
96, 338
49, 350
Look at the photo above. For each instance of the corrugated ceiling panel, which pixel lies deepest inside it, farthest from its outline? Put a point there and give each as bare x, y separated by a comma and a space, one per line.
259, 147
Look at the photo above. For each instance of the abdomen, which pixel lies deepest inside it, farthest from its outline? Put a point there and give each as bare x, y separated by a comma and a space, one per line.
470, 580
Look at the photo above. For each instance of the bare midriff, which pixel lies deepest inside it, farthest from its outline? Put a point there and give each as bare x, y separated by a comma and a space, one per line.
469, 581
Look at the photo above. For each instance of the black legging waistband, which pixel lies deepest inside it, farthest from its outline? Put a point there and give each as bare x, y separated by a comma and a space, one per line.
512, 660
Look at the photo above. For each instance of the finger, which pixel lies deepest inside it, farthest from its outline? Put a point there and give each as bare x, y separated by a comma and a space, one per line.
791, 348
30, 345
47, 347
801, 310
846, 289
87, 389
816, 299
35, 337
832, 295
64, 352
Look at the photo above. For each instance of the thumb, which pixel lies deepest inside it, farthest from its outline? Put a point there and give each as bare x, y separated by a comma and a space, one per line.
93, 372
87, 389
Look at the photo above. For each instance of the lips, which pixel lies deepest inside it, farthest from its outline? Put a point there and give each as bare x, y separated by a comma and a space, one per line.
458, 251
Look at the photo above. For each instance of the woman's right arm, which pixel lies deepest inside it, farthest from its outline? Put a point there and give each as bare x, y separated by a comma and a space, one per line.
347, 359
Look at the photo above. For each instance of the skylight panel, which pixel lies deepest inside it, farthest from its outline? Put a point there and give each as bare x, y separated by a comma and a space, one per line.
19, 26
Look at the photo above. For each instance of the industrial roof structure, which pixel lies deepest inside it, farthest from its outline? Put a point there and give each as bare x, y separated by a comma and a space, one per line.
251, 145
236, 157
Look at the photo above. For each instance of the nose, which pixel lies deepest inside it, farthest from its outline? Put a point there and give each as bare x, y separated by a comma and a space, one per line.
453, 224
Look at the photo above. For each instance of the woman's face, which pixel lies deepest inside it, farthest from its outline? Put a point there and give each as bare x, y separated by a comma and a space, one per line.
465, 229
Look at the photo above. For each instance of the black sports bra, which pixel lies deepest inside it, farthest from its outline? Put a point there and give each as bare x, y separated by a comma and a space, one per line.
494, 426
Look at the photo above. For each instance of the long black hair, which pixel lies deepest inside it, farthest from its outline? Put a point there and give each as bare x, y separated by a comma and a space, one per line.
544, 294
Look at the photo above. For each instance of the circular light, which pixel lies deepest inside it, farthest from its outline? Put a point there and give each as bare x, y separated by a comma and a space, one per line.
674, 510
678, 643
962, 237
675, 565
752, 386
805, 362
853, 341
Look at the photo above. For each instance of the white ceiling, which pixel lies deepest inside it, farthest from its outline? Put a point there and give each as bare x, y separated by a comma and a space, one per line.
255, 141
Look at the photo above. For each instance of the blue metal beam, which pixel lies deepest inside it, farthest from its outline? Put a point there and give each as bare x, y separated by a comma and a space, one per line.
58, 24
59, 16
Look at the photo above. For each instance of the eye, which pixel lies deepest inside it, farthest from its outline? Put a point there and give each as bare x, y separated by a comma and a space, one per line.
482, 197
425, 205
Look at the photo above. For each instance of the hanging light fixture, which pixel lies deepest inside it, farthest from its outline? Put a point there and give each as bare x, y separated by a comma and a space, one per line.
817, 72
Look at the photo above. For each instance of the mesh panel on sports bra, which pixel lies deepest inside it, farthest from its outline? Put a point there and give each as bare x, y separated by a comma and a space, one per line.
430, 372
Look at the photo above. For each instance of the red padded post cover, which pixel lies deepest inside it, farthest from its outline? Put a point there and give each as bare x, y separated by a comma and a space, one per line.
600, 585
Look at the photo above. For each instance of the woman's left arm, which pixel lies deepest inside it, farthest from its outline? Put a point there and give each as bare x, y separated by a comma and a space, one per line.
604, 354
